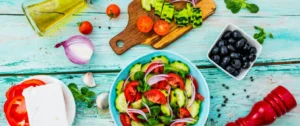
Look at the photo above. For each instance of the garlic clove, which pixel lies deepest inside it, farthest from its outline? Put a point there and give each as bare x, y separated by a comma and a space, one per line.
89, 80
102, 100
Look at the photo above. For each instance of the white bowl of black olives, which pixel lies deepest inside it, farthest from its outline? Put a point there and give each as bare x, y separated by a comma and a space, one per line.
234, 52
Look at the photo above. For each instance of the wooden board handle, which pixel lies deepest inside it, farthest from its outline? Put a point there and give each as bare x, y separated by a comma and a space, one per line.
122, 43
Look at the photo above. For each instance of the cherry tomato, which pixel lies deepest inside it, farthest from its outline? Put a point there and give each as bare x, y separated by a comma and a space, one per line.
175, 80
156, 96
179, 124
199, 97
85, 27
15, 111
125, 120
184, 113
131, 91
156, 70
163, 85
145, 24
194, 81
113, 11
138, 96
162, 27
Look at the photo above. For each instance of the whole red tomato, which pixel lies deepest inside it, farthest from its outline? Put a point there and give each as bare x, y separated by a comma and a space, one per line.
85, 27
113, 11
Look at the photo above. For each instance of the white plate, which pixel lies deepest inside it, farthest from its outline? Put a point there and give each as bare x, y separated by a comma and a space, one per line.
69, 99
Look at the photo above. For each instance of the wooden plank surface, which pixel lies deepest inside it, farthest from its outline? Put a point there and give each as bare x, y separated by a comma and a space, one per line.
39, 56
266, 78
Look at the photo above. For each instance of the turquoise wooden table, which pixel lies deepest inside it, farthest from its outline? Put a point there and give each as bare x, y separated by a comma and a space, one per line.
24, 54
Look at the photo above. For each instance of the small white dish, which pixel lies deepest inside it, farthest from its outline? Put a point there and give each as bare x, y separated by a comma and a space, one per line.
69, 99
252, 42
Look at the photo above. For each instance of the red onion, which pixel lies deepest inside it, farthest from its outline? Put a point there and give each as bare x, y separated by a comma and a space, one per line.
147, 107
79, 49
184, 120
157, 78
191, 1
194, 93
125, 82
168, 103
151, 69
138, 112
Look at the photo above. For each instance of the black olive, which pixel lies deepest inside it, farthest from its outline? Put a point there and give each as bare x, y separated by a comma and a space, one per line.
216, 59
231, 41
234, 55
246, 48
236, 73
231, 48
225, 61
215, 50
226, 35
253, 50
230, 69
244, 58
236, 63
236, 35
246, 65
224, 50
251, 57
240, 44
222, 43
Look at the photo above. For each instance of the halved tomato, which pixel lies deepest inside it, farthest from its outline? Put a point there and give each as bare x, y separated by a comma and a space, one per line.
145, 24
125, 120
194, 81
179, 124
184, 113
131, 91
199, 97
15, 111
138, 96
175, 80
155, 70
163, 85
162, 27
156, 96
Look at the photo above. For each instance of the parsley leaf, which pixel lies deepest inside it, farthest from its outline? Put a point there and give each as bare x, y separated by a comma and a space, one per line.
82, 95
261, 35
236, 5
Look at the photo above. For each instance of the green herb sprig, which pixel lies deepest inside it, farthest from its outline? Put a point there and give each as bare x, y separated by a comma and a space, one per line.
261, 35
236, 5
84, 94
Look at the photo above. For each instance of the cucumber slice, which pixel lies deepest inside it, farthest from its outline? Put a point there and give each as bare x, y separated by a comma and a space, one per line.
165, 110
180, 66
165, 10
194, 109
188, 87
137, 67
173, 99
145, 67
181, 99
149, 76
146, 5
137, 104
182, 18
170, 14
152, 2
161, 58
158, 7
119, 86
121, 104
134, 123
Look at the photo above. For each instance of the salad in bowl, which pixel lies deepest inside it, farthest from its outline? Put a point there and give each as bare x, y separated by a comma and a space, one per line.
161, 89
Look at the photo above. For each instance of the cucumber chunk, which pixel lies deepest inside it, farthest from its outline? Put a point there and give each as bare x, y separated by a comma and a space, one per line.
180, 66
165, 10
194, 109
119, 86
121, 104
165, 110
136, 67
137, 104
196, 18
181, 99
135, 123
158, 7
146, 5
188, 87
161, 58
189, 8
152, 2
145, 67
170, 14
173, 99
182, 18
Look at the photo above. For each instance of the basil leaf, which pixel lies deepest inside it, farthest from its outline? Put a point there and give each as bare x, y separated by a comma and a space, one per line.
73, 86
256, 35
155, 110
139, 75
91, 94
165, 119
271, 35
153, 121
253, 8
84, 90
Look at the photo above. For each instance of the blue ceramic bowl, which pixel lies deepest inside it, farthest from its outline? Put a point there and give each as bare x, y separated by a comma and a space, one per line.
203, 88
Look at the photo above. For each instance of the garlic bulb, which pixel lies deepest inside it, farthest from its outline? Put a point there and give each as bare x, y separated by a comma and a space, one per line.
89, 80
102, 101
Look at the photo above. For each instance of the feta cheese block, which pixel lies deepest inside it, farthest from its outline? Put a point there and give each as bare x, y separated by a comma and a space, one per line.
45, 105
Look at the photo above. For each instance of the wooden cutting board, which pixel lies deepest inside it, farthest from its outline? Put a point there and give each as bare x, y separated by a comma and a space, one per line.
131, 36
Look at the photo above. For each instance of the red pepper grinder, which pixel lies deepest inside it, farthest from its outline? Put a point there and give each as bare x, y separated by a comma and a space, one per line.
265, 112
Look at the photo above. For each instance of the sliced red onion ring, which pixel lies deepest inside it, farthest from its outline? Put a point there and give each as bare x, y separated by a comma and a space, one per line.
184, 120
168, 103
194, 93
138, 112
125, 82
157, 78
147, 107
151, 69
191, 1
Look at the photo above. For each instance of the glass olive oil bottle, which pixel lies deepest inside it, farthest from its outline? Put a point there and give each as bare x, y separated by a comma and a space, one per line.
44, 14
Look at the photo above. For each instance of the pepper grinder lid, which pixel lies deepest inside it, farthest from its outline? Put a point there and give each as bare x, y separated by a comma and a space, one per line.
286, 97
